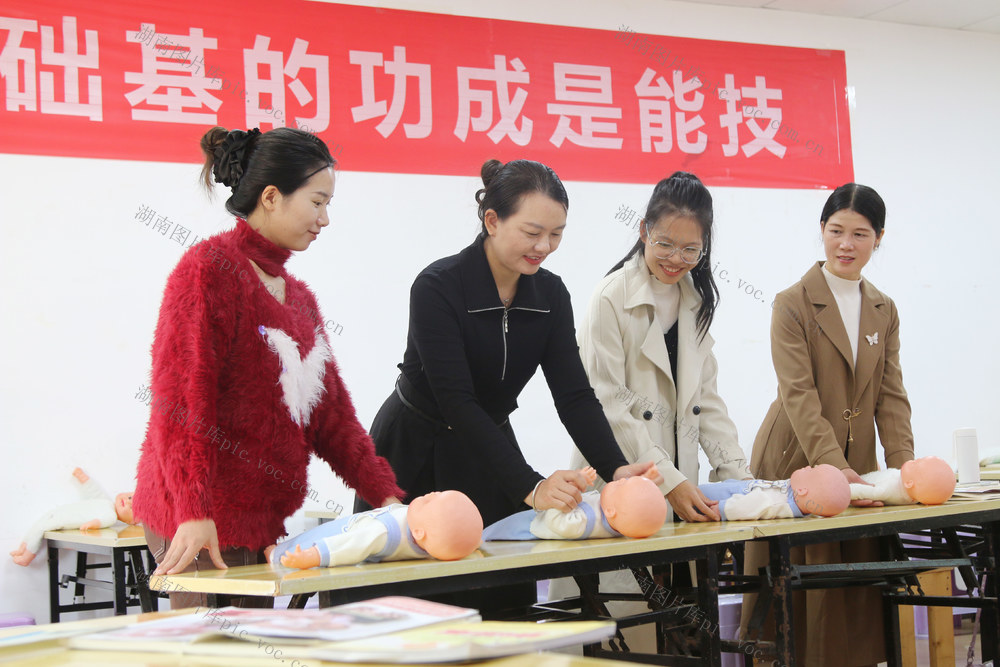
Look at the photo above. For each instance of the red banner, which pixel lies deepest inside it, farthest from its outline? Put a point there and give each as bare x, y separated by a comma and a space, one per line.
412, 92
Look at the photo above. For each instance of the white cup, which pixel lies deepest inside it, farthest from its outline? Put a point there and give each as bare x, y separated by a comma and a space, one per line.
966, 453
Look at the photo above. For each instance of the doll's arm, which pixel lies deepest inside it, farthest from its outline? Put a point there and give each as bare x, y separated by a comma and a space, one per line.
93, 524
88, 487
335, 546
299, 559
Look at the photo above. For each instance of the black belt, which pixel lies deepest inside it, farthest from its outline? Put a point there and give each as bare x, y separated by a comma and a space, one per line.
420, 413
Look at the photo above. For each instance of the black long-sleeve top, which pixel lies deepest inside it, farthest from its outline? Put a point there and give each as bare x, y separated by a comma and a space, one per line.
469, 357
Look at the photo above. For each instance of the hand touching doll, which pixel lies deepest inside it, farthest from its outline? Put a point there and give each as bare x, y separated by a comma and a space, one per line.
630, 507
444, 525
96, 510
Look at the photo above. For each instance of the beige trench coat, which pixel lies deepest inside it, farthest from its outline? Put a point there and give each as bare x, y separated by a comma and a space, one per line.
817, 384
621, 343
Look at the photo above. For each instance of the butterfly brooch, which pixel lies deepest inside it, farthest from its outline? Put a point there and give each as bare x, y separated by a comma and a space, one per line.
873, 339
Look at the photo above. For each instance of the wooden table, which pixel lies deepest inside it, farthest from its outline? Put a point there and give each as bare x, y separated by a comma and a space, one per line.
513, 562
493, 563
125, 545
855, 523
501, 563
323, 515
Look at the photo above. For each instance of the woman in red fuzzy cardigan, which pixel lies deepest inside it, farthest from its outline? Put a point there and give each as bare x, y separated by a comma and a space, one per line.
246, 384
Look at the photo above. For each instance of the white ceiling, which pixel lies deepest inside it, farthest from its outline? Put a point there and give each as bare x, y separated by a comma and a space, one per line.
977, 15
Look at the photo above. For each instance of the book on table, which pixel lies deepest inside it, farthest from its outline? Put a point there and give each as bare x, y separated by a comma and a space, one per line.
389, 629
356, 620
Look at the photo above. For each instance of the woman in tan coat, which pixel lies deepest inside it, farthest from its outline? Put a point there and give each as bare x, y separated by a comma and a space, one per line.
835, 346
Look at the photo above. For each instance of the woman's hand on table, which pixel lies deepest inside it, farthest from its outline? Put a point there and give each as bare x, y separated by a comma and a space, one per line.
562, 490
188, 541
690, 504
855, 478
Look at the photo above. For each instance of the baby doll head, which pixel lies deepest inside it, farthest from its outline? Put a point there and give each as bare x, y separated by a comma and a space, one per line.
634, 506
446, 524
821, 490
123, 508
929, 480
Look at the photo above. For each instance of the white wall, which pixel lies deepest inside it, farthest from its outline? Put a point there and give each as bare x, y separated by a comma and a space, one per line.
83, 279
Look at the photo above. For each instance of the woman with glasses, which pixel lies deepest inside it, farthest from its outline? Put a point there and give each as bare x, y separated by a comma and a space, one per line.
481, 323
835, 347
647, 350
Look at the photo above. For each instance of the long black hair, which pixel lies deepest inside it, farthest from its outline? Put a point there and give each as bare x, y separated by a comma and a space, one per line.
248, 162
504, 185
684, 195
861, 199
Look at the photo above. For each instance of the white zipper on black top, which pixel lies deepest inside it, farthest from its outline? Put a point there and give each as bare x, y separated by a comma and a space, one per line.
504, 328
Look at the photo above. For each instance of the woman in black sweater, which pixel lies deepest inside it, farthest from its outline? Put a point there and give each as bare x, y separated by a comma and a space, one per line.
481, 323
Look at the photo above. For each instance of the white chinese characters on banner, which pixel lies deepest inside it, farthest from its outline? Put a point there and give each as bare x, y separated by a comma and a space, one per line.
685, 126
20, 91
72, 61
737, 111
172, 72
763, 137
655, 126
272, 86
509, 107
19, 67
400, 70
585, 91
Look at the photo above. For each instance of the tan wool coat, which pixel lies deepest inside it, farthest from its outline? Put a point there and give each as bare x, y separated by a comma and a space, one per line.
818, 387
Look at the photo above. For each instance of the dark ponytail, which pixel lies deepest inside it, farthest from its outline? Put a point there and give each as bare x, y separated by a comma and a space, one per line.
684, 195
504, 185
247, 162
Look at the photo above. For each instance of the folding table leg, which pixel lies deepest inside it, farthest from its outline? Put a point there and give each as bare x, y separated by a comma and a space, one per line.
708, 600
781, 564
53, 584
118, 577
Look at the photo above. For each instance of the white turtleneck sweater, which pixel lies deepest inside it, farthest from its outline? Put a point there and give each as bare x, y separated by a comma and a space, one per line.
847, 294
668, 302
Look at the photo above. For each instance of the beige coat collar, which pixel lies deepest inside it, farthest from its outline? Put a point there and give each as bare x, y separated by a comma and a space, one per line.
691, 351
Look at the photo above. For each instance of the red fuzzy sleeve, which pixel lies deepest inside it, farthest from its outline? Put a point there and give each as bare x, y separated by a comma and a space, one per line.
193, 334
339, 439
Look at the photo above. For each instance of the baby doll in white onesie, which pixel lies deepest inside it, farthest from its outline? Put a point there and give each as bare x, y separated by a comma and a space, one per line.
822, 490
444, 525
96, 510
928, 480
631, 507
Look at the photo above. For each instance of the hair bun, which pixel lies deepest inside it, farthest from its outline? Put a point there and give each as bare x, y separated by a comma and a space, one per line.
685, 176
231, 157
489, 171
